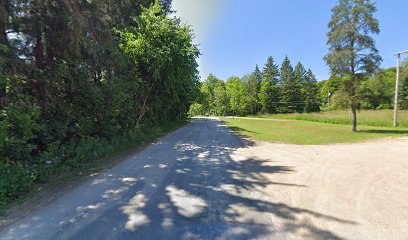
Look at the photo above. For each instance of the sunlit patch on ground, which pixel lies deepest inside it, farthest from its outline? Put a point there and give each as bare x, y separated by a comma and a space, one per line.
136, 218
188, 205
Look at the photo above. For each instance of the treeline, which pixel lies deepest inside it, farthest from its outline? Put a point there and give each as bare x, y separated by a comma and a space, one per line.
78, 79
376, 91
284, 89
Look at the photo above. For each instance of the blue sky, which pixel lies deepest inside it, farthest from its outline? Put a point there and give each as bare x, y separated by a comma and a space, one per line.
235, 35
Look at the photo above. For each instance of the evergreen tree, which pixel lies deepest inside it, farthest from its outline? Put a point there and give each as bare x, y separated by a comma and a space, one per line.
311, 93
291, 91
352, 50
269, 90
258, 77
299, 82
253, 86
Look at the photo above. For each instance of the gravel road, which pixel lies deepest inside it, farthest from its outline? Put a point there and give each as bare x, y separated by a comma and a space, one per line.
181, 187
204, 182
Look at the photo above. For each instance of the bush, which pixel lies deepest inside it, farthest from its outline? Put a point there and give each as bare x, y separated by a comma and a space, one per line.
18, 125
15, 180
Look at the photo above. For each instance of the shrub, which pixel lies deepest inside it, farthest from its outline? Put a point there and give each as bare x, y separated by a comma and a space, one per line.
15, 179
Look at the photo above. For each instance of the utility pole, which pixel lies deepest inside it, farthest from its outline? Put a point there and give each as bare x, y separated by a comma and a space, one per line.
397, 87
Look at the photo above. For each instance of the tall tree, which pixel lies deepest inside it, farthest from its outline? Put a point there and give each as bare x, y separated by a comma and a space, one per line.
299, 82
269, 90
291, 91
258, 77
237, 95
215, 98
253, 86
169, 67
311, 93
352, 50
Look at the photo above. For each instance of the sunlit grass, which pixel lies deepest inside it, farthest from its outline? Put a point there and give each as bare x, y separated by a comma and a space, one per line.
381, 118
307, 132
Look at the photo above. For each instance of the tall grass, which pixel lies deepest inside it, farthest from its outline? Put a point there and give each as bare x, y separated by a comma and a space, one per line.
378, 118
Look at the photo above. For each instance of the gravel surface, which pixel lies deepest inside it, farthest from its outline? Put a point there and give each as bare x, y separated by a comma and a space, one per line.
204, 182
341, 191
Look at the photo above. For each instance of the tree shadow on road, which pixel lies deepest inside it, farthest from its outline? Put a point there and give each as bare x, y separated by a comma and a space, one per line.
208, 192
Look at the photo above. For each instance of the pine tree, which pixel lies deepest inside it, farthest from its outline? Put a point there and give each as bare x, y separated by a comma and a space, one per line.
258, 77
253, 86
299, 82
311, 93
269, 90
352, 50
291, 92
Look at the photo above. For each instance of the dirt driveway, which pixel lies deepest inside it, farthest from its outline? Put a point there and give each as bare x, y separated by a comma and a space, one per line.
344, 191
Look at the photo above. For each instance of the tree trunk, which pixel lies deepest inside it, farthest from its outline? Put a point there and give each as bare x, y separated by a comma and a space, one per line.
354, 110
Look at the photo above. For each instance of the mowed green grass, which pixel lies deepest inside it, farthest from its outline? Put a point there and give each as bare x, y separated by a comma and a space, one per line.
380, 118
306, 132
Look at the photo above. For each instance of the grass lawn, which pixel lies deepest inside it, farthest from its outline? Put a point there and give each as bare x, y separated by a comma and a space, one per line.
307, 132
380, 118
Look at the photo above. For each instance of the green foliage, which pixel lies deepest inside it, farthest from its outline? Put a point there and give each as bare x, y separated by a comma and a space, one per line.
196, 109
82, 79
291, 95
352, 50
266, 92
15, 180
213, 97
238, 96
310, 93
168, 66
378, 91
339, 100
269, 91
351, 47
375, 91
18, 127
299, 86
253, 87
404, 85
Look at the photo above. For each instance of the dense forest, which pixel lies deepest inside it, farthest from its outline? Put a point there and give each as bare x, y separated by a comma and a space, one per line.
287, 89
78, 79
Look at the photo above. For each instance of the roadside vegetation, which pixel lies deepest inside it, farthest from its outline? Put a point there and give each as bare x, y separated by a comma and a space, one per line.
306, 132
80, 80
86, 162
